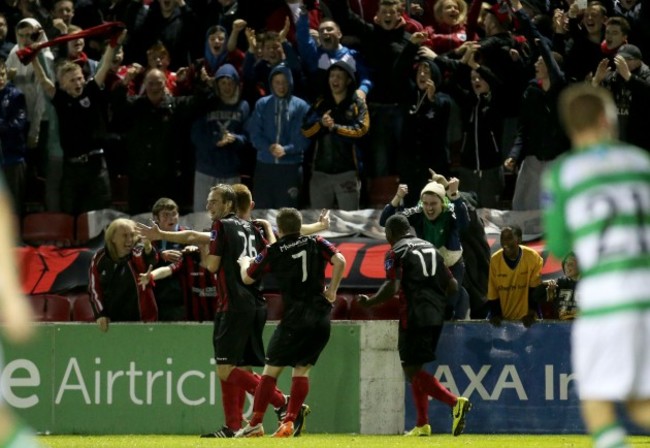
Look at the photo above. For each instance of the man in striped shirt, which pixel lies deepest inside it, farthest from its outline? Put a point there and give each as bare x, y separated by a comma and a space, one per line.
597, 203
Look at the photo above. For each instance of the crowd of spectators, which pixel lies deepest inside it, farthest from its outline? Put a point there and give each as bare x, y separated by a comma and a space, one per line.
199, 92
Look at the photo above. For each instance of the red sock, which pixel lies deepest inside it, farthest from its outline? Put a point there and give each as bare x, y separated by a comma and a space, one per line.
230, 401
432, 387
299, 391
244, 379
262, 398
242, 401
421, 400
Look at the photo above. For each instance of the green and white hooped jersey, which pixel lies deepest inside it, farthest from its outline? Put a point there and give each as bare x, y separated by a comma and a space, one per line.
597, 203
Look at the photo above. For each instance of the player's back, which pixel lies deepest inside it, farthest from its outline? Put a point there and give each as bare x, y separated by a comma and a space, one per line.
298, 265
423, 280
236, 238
606, 203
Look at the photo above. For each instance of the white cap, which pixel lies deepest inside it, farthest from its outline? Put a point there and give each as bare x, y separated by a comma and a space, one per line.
435, 188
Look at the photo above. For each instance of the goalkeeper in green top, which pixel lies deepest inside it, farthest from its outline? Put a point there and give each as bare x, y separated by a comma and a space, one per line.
596, 202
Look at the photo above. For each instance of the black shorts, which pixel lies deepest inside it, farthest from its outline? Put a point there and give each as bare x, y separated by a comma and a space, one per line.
237, 337
298, 344
418, 345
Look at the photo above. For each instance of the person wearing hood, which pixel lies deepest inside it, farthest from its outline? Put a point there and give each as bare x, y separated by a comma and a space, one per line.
336, 121
275, 131
216, 53
425, 113
381, 44
481, 100
28, 32
219, 136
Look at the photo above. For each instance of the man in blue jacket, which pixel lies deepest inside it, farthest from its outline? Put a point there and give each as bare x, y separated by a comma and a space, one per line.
275, 131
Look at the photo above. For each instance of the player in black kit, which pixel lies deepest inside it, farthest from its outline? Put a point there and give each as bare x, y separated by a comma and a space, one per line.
298, 263
417, 271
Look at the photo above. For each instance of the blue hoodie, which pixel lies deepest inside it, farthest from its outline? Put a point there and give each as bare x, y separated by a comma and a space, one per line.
279, 120
208, 130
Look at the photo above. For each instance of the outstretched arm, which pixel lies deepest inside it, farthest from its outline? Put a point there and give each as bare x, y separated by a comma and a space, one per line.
338, 260
386, 291
154, 233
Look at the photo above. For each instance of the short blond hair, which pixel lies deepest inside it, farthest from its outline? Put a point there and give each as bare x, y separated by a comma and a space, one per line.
112, 228
65, 68
462, 9
582, 105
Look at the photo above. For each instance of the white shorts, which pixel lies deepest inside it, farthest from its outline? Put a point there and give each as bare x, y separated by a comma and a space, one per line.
611, 356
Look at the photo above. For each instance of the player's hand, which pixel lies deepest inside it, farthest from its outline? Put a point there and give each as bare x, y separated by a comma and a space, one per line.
245, 260
171, 256
363, 300
102, 322
330, 295
496, 320
528, 320
324, 218
152, 233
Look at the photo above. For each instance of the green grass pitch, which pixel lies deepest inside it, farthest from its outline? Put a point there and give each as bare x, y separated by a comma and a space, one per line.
332, 441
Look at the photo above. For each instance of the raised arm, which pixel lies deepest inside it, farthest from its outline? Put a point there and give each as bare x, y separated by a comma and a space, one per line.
107, 58
338, 261
46, 83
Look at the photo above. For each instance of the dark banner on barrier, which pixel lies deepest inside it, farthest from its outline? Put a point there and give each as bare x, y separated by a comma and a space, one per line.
48, 269
519, 380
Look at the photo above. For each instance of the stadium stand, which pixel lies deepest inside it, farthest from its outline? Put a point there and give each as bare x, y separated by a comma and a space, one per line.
81, 309
48, 228
50, 308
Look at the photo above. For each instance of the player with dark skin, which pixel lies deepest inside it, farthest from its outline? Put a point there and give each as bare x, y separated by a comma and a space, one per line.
417, 271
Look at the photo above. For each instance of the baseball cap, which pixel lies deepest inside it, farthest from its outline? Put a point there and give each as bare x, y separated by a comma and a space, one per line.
629, 51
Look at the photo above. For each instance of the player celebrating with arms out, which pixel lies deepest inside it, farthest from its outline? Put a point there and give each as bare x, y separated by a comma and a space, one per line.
597, 203
415, 266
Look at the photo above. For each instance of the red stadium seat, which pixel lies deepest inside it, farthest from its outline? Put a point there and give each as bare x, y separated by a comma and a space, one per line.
83, 232
381, 190
341, 309
274, 305
50, 308
48, 228
81, 309
388, 310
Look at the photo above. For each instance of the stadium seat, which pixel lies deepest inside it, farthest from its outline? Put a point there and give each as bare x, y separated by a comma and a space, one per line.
50, 308
120, 192
274, 305
341, 309
82, 231
48, 228
381, 190
388, 310
81, 309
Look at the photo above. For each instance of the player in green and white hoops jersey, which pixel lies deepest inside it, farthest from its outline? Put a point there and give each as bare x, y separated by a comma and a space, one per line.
597, 203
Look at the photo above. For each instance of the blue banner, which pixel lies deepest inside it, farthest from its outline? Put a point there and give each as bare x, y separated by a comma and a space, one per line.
518, 379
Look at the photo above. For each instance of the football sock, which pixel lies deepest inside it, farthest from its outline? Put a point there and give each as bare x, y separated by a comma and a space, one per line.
421, 400
230, 396
262, 398
429, 384
610, 436
299, 391
243, 379
242, 402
